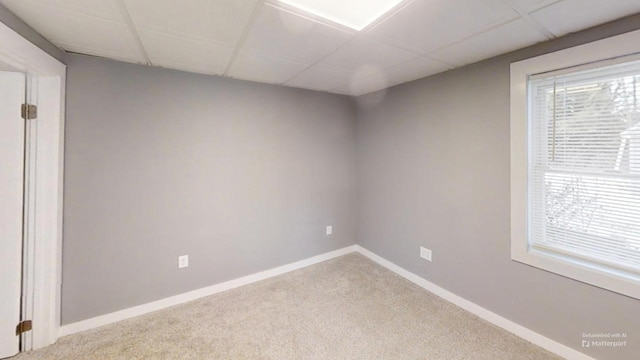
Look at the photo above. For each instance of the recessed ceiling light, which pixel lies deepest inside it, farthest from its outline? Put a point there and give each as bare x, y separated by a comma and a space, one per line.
356, 14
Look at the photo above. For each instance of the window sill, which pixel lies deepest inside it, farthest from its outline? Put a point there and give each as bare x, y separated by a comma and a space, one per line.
612, 279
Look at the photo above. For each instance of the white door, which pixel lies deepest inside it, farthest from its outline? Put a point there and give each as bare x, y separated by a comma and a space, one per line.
12, 96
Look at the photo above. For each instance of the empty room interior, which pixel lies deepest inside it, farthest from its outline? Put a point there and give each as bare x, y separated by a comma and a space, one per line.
320, 179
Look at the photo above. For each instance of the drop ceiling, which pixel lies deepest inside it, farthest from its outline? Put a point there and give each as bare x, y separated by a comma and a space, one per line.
272, 42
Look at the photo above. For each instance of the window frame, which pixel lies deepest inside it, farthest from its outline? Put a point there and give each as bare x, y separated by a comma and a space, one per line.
619, 281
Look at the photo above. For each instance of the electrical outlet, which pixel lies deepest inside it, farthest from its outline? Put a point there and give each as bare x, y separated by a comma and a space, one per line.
329, 230
425, 253
183, 261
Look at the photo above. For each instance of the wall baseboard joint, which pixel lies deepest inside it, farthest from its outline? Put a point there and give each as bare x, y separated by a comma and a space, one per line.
124, 314
506, 324
512, 327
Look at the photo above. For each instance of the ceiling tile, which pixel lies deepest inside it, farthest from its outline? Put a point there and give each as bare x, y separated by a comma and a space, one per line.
80, 33
281, 45
512, 36
219, 21
531, 5
573, 15
319, 78
364, 53
430, 25
364, 82
106, 9
413, 69
185, 54
280, 33
256, 67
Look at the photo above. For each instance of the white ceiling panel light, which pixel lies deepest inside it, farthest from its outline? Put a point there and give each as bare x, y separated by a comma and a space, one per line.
356, 14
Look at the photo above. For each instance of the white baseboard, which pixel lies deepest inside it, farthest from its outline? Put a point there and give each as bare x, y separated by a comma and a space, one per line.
196, 294
518, 330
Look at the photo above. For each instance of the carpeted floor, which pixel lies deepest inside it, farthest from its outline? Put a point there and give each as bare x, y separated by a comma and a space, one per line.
346, 308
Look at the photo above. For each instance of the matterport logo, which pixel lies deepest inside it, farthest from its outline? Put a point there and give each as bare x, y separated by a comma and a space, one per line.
604, 340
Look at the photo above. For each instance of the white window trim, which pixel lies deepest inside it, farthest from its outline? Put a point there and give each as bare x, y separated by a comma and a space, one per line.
613, 47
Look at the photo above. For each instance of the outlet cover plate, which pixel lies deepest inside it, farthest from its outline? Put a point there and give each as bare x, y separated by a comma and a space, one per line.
183, 261
329, 230
425, 253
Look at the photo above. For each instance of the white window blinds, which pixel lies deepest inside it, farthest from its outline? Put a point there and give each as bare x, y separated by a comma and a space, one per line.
584, 165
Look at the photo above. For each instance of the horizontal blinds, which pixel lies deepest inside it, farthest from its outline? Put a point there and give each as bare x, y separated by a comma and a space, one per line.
584, 164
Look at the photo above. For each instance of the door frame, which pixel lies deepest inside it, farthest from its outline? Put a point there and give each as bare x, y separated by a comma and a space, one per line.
43, 259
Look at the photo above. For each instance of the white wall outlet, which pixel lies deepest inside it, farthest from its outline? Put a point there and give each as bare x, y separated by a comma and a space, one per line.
425, 253
329, 230
183, 261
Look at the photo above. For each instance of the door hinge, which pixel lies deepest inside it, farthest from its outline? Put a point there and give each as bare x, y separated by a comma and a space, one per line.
29, 111
23, 327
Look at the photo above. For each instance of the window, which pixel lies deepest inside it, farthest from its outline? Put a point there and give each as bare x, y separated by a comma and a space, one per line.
584, 164
576, 163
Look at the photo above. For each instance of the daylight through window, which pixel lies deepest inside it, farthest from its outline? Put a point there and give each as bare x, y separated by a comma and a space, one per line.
584, 164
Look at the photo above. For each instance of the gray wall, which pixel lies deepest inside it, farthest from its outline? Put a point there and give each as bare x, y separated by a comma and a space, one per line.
240, 176
433, 170
27, 32
253, 173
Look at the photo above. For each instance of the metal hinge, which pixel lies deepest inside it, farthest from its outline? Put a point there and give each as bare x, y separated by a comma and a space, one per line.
29, 112
23, 327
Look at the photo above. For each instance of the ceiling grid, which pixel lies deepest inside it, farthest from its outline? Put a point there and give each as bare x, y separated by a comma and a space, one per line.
245, 32
274, 42
134, 32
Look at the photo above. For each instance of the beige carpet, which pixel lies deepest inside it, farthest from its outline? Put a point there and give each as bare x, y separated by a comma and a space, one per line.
346, 308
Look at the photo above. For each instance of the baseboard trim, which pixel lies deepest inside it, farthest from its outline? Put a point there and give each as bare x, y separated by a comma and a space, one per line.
196, 294
516, 329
